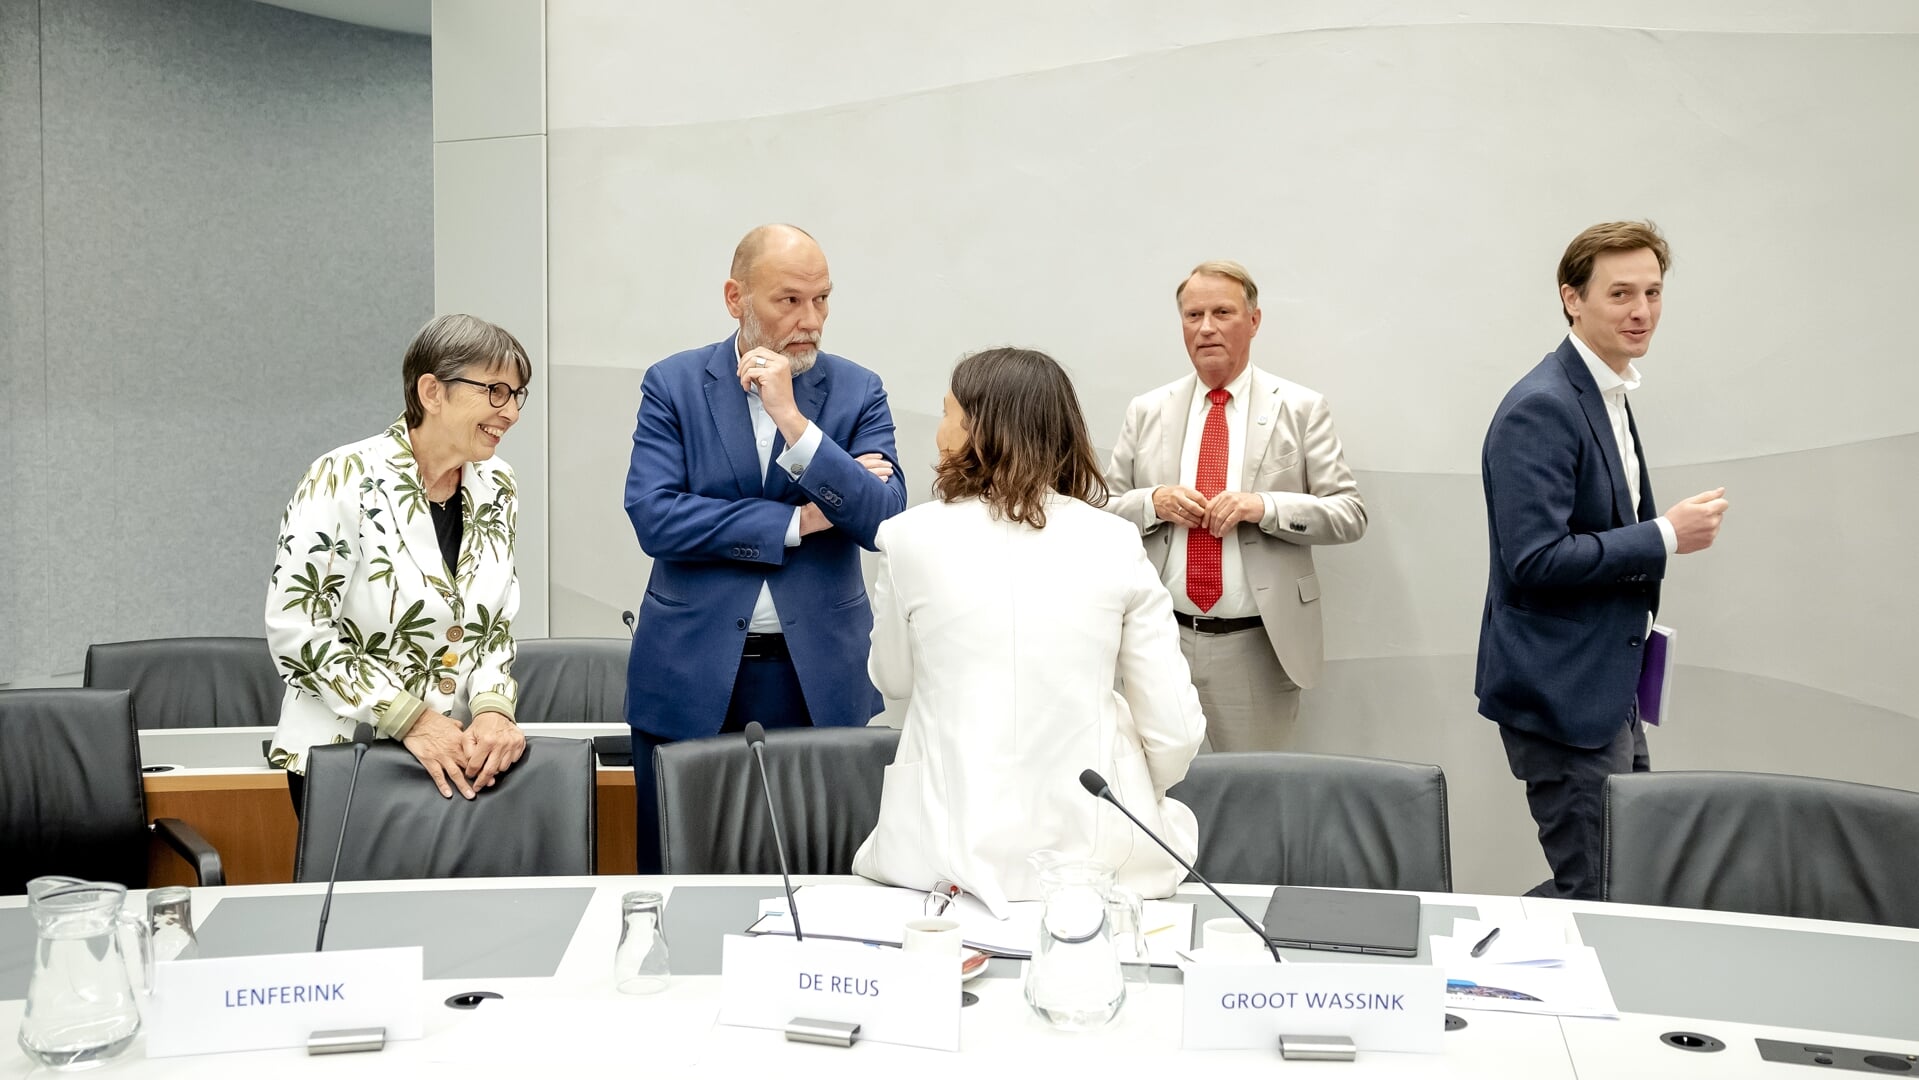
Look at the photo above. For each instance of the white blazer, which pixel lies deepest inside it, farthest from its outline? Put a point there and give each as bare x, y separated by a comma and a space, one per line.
362, 617
1009, 642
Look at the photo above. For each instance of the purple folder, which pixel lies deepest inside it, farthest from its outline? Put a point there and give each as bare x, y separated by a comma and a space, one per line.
1655, 676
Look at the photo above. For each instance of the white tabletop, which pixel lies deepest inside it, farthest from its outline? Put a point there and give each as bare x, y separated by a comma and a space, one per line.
1630, 1046
575, 1016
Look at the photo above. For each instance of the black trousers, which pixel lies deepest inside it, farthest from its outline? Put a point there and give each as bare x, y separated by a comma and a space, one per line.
766, 689
1566, 789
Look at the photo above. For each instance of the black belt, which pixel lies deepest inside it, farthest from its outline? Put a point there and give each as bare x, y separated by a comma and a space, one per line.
765, 647
1202, 624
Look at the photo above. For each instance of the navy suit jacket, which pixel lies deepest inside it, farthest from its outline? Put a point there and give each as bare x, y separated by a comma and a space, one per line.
716, 529
1575, 566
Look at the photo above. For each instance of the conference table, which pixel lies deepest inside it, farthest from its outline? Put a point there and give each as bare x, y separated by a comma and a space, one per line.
546, 946
217, 780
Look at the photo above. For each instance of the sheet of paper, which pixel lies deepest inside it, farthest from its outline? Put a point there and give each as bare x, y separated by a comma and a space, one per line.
1168, 930
1575, 988
1540, 944
879, 916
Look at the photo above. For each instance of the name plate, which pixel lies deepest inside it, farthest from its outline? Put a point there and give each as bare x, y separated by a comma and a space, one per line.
1378, 1006
264, 1002
910, 998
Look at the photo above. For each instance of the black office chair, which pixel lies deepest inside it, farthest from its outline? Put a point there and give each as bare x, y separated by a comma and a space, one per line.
192, 681
571, 680
826, 782
1764, 844
71, 800
1319, 819
538, 820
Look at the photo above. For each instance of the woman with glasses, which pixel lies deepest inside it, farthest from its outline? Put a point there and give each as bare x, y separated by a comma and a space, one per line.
393, 589
1031, 640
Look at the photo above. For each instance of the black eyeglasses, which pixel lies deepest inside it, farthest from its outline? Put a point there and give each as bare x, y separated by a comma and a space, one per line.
497, 392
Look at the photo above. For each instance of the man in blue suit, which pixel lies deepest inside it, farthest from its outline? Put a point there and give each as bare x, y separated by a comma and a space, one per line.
1578, 551
760, 468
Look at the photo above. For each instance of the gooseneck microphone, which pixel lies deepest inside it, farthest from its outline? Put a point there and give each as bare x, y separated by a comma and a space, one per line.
362, 738
627, 618
1095, 784
756, 738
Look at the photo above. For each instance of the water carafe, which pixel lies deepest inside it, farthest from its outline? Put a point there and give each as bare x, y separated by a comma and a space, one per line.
1074, 981
80, 1009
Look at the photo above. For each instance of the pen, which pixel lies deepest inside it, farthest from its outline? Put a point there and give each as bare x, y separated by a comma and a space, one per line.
1485, 943
1157, 929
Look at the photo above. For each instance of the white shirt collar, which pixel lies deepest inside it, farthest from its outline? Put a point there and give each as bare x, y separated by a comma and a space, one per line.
752, 392
1609, 380
1236, 390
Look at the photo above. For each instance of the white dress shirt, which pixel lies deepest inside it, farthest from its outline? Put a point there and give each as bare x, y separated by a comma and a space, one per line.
795, 459
1236, 601
1612, 390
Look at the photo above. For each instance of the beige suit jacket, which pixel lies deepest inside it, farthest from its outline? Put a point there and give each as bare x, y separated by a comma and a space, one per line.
1292, 455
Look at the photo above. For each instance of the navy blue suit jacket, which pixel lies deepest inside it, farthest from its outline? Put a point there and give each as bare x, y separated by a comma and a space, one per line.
716, 529
1575, 566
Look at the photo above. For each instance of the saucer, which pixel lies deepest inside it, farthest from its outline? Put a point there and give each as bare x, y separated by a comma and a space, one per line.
972, 963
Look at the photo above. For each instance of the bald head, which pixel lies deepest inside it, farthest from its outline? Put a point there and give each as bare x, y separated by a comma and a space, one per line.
778, 291
773, 240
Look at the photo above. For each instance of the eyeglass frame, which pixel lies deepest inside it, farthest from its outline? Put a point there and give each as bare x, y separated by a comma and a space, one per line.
519, 396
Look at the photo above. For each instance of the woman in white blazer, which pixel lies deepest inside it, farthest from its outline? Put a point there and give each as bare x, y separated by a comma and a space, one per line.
393, 589
1007, 613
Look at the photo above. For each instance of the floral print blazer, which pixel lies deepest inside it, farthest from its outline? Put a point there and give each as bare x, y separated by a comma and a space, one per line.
362, 617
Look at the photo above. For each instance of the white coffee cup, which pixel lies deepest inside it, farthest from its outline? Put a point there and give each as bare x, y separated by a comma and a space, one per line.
1230, 935
932, 935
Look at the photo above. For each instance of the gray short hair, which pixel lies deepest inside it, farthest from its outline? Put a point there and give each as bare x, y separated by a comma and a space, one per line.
1225, 268
450, 344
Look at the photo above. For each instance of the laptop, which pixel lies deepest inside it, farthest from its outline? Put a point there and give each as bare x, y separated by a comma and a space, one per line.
1333, 920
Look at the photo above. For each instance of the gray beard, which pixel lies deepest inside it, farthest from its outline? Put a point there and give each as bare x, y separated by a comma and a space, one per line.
753, 337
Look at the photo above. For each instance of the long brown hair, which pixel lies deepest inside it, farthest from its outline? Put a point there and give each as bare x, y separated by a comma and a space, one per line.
1025, 437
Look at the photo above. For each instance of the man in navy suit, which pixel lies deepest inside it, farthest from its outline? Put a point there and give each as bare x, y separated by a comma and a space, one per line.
1578, 551
760, 468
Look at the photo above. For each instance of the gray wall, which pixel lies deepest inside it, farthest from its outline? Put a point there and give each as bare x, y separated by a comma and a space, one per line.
216, 233
1401, 181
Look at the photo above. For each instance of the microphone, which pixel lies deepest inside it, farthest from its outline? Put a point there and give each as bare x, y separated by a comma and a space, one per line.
362, 738
1096, 786
756, 738
627, 618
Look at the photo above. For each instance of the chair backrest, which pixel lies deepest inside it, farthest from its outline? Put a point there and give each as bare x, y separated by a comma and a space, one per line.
192, 681
826, 782
571, 680
538, 820
1319, 819
1769, 845
70, 795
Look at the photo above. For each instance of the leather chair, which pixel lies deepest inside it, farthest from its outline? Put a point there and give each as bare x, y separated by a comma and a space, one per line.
1764, 844
571, 680
71, 800
537, 820
826, 782
192, 681
1319, 819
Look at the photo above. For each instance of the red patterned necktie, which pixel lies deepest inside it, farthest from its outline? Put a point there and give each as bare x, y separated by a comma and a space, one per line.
1203, 582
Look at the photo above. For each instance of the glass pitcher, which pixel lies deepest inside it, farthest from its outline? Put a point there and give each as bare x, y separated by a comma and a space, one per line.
1074, 980
80, 1009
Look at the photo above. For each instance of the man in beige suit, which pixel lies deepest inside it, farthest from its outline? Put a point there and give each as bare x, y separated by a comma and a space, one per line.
1232, 474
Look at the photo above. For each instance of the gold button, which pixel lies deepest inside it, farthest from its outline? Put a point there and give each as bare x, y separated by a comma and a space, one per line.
446, 686
449, 659
455, 632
